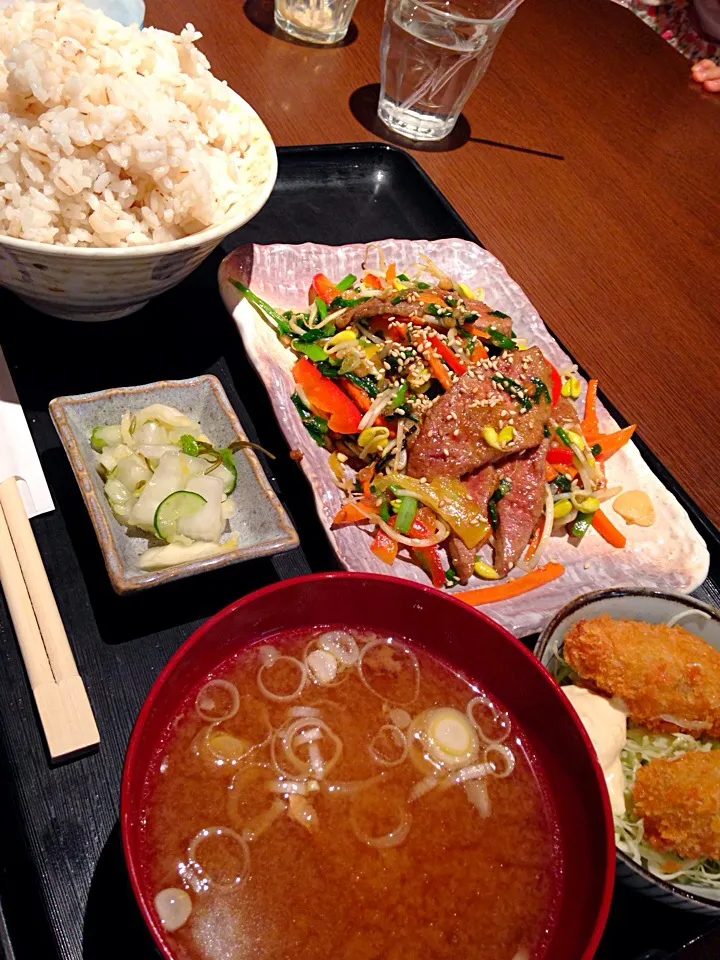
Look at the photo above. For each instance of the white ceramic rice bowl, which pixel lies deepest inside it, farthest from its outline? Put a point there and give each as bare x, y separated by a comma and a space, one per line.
103, 283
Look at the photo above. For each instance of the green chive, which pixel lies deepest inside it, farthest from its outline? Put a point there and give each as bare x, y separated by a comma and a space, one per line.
500, 340
515, 389
406, 514
346, 282
312, 351
282, 324
321, 307
562, 435
540, 389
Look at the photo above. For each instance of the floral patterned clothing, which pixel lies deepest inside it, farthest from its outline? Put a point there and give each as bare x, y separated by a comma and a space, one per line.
677, 22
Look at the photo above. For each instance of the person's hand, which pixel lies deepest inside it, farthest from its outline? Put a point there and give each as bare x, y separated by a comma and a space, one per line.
707, 72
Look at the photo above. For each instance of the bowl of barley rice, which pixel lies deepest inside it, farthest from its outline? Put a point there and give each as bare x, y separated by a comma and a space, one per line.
123, 161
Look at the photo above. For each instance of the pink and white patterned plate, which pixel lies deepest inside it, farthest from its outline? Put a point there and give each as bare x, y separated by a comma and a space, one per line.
670, 555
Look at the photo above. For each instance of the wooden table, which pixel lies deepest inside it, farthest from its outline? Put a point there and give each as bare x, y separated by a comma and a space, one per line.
616, 243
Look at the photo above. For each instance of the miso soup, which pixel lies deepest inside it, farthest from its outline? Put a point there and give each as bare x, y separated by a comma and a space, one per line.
343, 796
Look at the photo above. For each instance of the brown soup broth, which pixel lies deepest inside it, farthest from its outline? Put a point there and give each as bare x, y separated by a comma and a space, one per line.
459, 885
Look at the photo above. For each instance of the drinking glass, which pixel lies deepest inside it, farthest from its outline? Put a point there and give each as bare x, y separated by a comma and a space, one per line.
432, 54
315, 21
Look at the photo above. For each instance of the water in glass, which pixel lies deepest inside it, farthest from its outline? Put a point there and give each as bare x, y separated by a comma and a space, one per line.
315, 21
432, 55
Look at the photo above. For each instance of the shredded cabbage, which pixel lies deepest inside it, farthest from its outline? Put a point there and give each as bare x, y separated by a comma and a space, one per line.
640, 747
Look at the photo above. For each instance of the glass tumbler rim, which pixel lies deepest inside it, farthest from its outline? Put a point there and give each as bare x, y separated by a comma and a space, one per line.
464, 18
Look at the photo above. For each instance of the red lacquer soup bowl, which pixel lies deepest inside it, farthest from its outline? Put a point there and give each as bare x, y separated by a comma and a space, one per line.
464, 639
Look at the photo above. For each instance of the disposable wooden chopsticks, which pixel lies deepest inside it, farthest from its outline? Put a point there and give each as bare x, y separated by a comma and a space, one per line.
60, 695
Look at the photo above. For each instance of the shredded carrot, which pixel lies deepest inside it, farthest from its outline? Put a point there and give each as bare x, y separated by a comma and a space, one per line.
590, 425
439, 370
607, 530
360, 398
513, 588
398, 332
479, 352
365, 476
393, 329
348, 513
477, 331
370, 280
550, 472
534, 542
612, 442
391, 274
427, 296
384, 547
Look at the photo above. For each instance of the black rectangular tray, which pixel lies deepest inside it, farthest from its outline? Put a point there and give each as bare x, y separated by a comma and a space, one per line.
63, 887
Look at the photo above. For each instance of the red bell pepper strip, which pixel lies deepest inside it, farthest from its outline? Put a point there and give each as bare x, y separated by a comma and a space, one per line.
384, 547
370, 280
448, 355
560, 455
555, 385
429, 558
324, 395
324, 289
